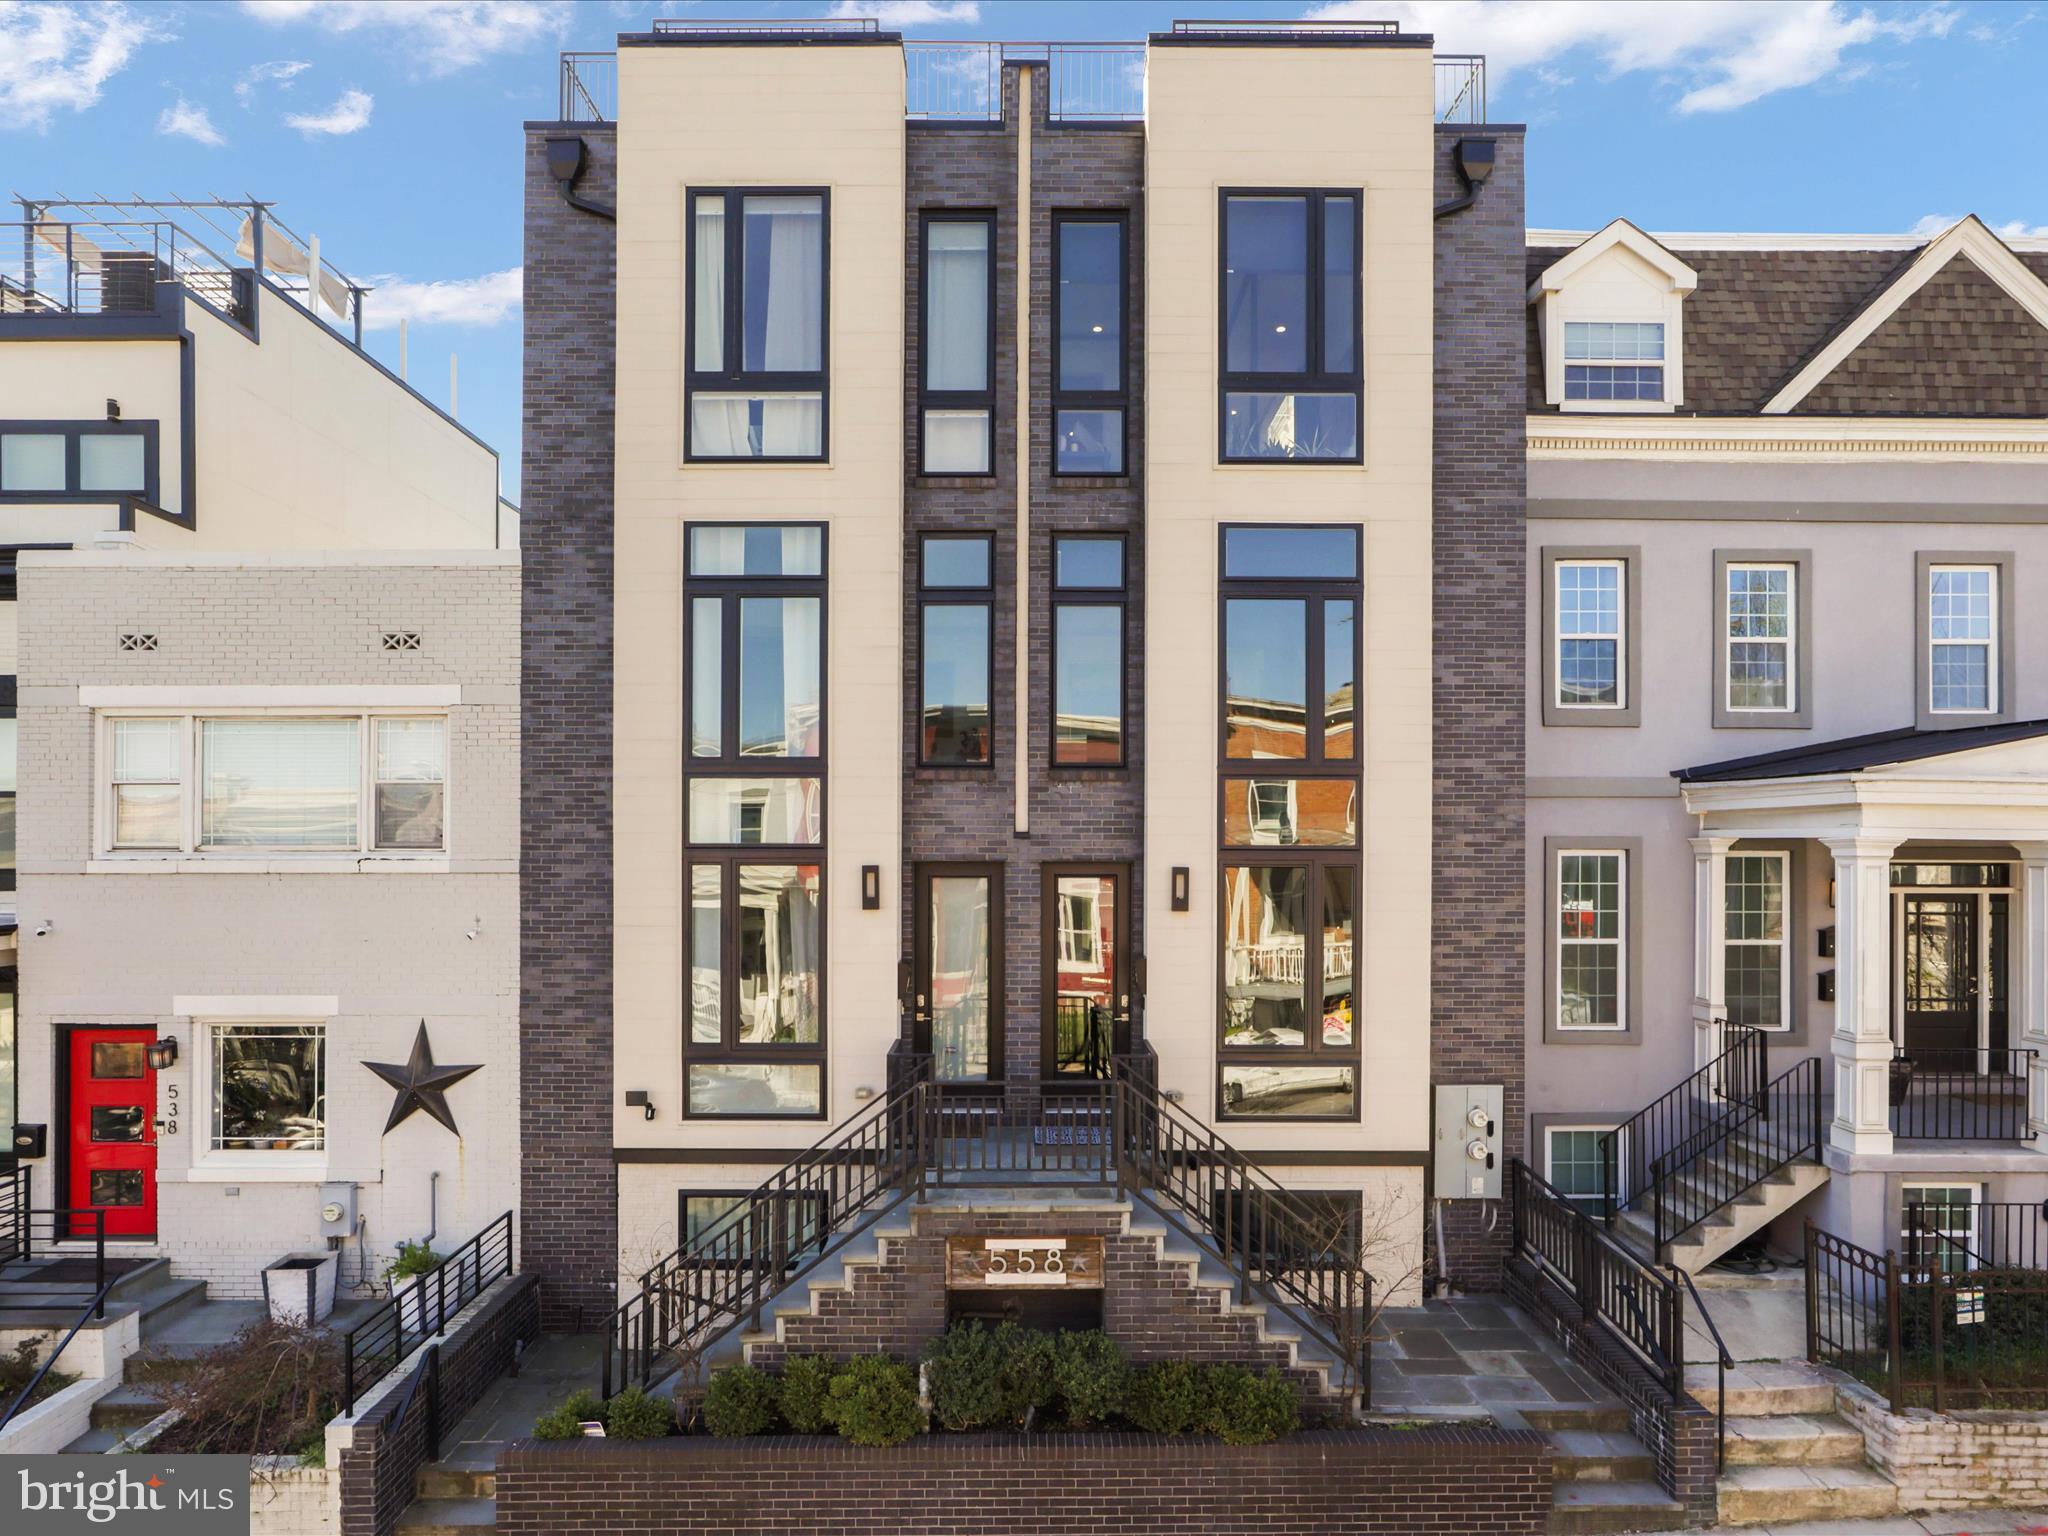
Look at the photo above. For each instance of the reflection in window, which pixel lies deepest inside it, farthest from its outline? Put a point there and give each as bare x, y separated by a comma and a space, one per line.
1291, 379
955, 650
1088, 652
779, 953
961, 977
1255, 553
1265, 677
1589, 634
781, 647
268, 1087
118, 1060
1589, 940
776, 811
114, 1186
707, 955
1327, 1090
1340, 906
1288, 813
8, 753
1265, 912
1340, 647
411, 782
1088, 323
753, 1089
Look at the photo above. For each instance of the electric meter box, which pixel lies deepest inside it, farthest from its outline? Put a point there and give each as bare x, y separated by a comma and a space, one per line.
337, 1210
1468, 1149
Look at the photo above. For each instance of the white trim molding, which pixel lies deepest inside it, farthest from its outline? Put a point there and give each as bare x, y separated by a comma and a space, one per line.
1810, 439
255, 1007
1725, 240
1630, 279
271, 696
1966, 237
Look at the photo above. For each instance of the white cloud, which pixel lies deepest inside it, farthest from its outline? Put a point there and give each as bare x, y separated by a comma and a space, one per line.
898, 14
438, 36
1725, 53
188, 121
278, 72
55, 58
2013, 229
467, 301
349, 114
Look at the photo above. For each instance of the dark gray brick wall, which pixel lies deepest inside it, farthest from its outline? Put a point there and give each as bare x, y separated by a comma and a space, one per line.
968, 814
1477, 943
568, 1190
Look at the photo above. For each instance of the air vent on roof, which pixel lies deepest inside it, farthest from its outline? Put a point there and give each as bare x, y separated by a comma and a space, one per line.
402, 640
138, 642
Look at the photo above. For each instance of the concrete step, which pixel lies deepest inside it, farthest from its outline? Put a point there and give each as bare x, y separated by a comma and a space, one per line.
1787, 1494
127, 1406
1581, 1419
1777, 1440
94, 1442
167, 1301
1762, 1388
438, 1481
449, 1517
1592, 1509
1600, 1456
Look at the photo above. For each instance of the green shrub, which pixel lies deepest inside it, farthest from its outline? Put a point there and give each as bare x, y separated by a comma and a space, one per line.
413, 1259
1090, 1375
565, 1420
741, 1401
1165, 1398
1030, 1371
964, 1369
874, 1401
633, 1415
1240, 1408
805, 1394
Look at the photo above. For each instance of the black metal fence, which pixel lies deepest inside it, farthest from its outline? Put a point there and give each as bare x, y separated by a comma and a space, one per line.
1960, 1095
14, 1214
1938, 1325
419, 1308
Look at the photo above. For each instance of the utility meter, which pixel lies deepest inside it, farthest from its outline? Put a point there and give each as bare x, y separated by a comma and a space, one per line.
1468, 1141
337, 1210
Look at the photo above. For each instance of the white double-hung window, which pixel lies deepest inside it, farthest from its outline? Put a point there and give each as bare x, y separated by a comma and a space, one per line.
1962, 639
1761, 615
1591, 634
298, 783
1592, 948
1613, 360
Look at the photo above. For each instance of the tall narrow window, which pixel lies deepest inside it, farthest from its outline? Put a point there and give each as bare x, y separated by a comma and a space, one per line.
1756, 976
1591, 604
1090, 384
956, 599
957, 400
1962, 636
1591, 938
758, 319
1088, 651
1613, 361
1291, 295
755, 1031
1762, 623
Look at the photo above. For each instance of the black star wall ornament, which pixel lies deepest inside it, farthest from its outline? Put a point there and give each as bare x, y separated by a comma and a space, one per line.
420, 1084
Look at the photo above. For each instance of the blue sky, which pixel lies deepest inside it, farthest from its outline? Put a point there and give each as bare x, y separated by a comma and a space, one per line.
392, 130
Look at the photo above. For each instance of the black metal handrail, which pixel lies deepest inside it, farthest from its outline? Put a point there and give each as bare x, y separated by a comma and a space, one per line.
14, 1198
1722, 1162
1632, 1302
419, 1308
1723, 1087
61, 1224
1293, 1256
425, 1378
1961, 1095
94, 1309
1723, 1364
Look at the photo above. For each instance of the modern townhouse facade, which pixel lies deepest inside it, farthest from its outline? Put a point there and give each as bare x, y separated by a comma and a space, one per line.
264, 609
1784, 741
985, 632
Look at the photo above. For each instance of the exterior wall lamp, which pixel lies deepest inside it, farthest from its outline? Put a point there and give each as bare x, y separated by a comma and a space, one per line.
162, 1055
871, 887
1180, 887
636, 1098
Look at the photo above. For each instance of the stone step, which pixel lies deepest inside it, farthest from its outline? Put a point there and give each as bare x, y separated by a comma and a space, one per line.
170, 1299
1765, 1388
1785, 1494
439, 1481
1553, 1420
449, 1517
1592, 1509
126, 1407
1775, 1440
1600, 1456
94, 1442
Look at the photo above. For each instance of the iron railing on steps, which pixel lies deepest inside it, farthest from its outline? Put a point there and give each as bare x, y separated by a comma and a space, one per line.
1631, 1150
14, 1198
1725, 1160
419, 1308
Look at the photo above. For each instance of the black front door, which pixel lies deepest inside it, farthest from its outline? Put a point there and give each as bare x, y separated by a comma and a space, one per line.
1941, 979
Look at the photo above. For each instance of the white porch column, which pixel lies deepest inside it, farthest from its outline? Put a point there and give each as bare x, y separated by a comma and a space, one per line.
2031, 950
1709, 945
1863, 990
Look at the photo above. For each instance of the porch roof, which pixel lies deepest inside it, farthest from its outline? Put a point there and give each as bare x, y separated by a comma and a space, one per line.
1853, 754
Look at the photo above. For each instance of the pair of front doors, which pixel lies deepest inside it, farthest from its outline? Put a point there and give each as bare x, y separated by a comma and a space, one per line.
957, 1004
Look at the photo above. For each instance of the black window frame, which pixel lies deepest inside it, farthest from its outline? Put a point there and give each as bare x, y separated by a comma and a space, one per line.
983, 597
1118, 400
929, 399
731, 763
1117, 597
1315, 592
733, 377
71, 431
814, 1197
1315, 380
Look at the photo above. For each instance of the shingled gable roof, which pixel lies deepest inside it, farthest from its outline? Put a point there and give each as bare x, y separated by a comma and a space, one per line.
1762, 312
1617, 233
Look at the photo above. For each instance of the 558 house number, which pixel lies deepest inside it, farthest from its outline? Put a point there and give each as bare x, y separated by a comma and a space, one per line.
1070, 1262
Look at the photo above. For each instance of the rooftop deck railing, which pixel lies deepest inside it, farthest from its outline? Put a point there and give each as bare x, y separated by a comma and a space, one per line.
590, 88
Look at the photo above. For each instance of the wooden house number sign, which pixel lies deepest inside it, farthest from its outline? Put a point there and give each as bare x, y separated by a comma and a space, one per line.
979, 1262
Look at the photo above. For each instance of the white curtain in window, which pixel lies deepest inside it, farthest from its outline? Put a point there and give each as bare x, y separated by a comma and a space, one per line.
956, 443
718, 427
792, 426
791, 335
956, 279
709, 317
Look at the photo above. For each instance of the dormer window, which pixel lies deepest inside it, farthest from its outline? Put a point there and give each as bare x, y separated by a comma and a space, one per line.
1616, 360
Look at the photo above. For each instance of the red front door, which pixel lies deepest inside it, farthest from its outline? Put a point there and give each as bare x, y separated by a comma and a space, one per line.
113, 1130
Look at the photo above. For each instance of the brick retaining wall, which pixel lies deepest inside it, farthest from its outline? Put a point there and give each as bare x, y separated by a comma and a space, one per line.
1953, 1460
1448, 1481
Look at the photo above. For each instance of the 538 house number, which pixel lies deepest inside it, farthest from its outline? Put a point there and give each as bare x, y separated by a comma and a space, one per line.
171, 1107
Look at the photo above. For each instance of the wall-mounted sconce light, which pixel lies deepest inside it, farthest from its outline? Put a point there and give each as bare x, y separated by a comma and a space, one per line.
1831, 893
1827, 942
1180, 887
1827, 986
636, 1098
862, 1094
162, 1055
870, 887
113, 409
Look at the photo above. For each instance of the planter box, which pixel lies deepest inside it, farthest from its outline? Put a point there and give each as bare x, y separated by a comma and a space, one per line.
1432, 1481
299, 1288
